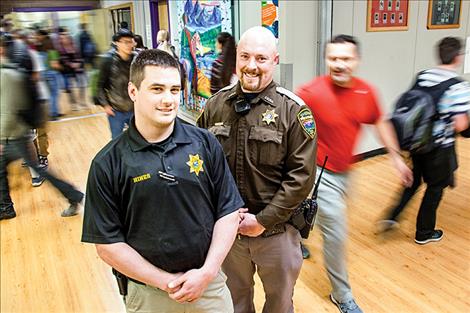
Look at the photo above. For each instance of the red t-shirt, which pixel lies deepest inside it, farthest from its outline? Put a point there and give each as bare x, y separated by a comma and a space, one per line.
339, 113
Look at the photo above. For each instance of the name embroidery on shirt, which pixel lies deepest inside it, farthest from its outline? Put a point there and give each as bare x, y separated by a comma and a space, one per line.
195, 164
140, 178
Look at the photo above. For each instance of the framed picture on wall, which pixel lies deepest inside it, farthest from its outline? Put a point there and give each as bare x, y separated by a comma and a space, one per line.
444, 14
387, 15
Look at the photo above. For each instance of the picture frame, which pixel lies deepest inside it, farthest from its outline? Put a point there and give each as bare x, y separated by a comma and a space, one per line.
387, 15
444, 14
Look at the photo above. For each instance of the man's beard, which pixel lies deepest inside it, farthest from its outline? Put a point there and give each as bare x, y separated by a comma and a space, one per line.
250, 86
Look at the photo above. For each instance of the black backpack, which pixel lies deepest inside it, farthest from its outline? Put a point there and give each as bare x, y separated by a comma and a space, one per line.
415, 113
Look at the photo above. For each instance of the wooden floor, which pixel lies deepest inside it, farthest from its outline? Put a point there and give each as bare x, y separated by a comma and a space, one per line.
45, 267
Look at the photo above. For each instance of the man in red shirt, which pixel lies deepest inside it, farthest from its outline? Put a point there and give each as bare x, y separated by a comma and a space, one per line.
341, 103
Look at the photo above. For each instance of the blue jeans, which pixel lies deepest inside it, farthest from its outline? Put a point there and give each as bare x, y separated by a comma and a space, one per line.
52, 78
117, 122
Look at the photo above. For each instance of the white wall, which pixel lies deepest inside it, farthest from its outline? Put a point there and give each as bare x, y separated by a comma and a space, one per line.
391, 59
297, 37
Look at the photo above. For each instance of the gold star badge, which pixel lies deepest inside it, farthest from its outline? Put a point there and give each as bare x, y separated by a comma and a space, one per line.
269, 116
195, 164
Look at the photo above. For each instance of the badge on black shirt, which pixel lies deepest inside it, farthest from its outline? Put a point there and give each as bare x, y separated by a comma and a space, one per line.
195, 164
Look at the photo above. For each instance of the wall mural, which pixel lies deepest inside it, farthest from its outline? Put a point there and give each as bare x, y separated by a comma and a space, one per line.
199, 24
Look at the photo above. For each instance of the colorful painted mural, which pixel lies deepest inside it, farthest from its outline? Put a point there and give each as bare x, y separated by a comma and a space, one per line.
200, 23
269, 16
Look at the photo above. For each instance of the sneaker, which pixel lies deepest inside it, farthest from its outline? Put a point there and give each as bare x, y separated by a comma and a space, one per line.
346, 307
305, 251
37, 181
71, 210
7, 213
43, 162
435, 236
386, 225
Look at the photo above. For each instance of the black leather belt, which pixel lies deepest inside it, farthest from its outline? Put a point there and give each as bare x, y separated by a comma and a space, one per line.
135, 281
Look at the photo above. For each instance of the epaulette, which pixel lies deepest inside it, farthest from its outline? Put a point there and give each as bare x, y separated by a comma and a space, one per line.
225, 88
290, 95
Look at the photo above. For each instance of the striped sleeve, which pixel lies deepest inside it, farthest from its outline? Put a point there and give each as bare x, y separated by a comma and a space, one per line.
456, 100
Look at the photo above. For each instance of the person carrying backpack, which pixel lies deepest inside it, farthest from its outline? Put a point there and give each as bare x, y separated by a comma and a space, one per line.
437, 166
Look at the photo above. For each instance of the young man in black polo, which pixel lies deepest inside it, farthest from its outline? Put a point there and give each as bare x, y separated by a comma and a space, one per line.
161, 202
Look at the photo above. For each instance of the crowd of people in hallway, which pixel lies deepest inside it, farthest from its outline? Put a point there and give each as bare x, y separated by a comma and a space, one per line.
186, 215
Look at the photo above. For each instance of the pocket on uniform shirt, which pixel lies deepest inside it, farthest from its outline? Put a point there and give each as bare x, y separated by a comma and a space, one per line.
265, 146
222, 132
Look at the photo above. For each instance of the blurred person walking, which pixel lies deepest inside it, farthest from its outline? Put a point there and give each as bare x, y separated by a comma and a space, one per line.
87, 46
15, 139
72, 68
51, 59
113, 80
223, 68
436, 168
341, 103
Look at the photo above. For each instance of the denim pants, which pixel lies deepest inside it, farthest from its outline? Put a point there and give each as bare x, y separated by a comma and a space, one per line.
117, 122
23, 148
52, 78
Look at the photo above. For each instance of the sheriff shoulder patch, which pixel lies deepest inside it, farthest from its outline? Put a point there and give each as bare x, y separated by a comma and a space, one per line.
307, 122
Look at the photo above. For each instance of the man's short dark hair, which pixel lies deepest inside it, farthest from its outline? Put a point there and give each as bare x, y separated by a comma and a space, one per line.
151, 57
448, 49
342, 38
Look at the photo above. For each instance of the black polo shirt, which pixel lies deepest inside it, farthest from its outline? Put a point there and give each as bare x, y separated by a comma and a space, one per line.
163, 200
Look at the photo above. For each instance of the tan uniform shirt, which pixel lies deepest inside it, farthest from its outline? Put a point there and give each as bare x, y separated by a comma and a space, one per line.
271, 150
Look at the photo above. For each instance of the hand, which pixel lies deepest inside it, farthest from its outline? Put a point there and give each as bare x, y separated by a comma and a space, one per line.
108, 109
241, 215
193, 284
1, 149
405, 172
166, 282
249, 225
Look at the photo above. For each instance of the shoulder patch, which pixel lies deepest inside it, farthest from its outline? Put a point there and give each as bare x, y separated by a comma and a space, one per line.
307, 122
225, 88
291, 95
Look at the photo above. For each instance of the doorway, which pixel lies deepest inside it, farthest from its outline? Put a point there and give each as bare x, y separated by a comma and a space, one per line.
159, 16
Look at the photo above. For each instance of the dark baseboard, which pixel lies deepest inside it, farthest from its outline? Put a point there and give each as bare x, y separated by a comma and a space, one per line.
369, 154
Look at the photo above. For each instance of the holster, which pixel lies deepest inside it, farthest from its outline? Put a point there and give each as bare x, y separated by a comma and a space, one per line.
303, 217
122, 281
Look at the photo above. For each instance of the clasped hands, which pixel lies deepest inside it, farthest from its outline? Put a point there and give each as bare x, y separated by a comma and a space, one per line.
189, 286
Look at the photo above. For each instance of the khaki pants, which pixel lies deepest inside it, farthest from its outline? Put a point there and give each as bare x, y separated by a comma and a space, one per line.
277, 259
42, 141
143, 298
